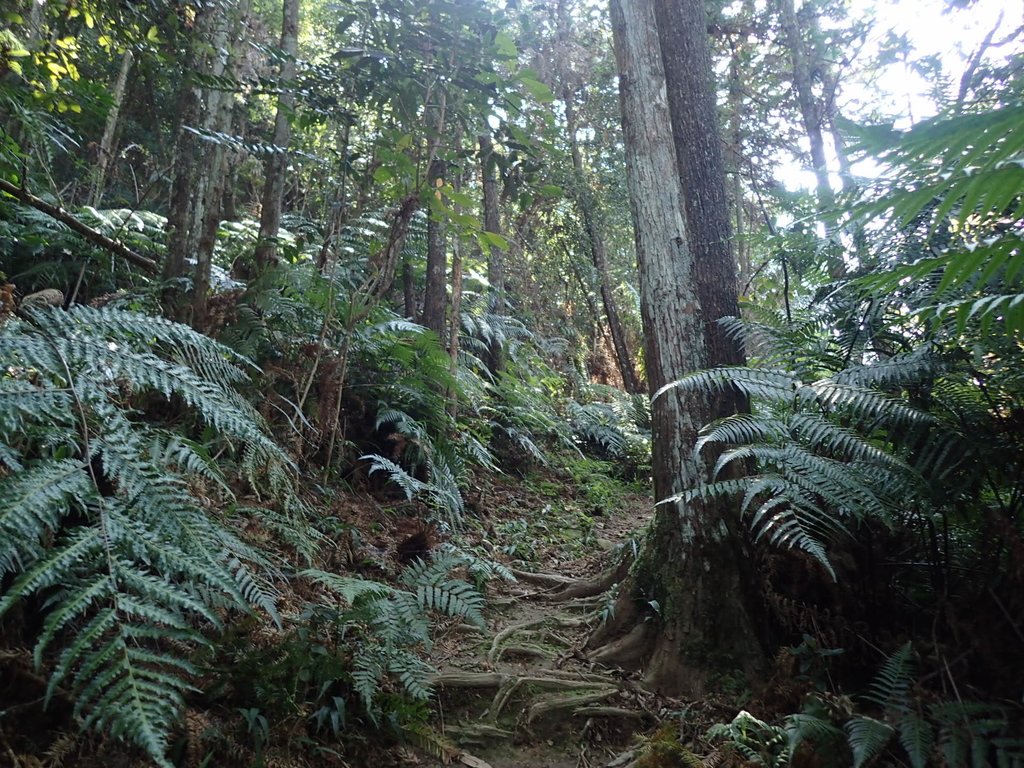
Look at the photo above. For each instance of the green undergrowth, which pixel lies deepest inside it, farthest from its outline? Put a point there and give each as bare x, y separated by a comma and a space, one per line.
560, 510
174, 578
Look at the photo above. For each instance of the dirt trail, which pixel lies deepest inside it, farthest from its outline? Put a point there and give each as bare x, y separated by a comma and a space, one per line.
524, 694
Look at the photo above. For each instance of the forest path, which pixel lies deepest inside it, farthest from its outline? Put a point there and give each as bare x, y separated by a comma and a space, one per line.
523, 694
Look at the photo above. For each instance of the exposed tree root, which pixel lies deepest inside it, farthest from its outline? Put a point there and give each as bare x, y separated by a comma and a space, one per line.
571, 702
634, 714
469, 679
499, 639
596, 586
484, 734
626, 651
508, 690
524, 649
542, 579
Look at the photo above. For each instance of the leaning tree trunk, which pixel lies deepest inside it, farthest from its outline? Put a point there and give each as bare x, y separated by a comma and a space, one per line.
688, 571
277, 161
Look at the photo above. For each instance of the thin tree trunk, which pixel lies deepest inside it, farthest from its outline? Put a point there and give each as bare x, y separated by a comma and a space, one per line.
809, 111
437, 258
106, 150
408, 288
455, 318
495, 255
587, 209
182, 235
219, 120
595, 242
492, 223
277, 161
328, 251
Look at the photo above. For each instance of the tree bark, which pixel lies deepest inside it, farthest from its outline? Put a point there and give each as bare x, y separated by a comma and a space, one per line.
106, 149
437, 258
277, 161
688, 570
810, 114
492, 223
495, 256
598, 254
219, 119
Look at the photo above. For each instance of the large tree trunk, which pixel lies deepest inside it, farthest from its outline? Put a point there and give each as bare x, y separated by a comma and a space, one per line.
277, 161
435, 289
735, 163
686, 56
688, 571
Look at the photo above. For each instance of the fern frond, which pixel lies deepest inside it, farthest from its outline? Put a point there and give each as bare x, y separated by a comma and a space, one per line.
867, 738
348, 588
102, 518
892, 683
917, 737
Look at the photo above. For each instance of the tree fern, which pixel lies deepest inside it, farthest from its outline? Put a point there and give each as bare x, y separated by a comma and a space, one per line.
98, 517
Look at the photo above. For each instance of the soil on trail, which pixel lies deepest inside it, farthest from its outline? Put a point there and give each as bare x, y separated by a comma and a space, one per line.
524, 693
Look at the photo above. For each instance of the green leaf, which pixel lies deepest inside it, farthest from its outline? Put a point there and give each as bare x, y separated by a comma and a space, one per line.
505, 45
533, 86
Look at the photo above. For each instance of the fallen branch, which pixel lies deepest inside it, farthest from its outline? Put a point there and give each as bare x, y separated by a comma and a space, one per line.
90, 234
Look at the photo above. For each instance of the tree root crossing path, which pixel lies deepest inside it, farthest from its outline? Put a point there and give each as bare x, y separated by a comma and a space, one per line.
528, 692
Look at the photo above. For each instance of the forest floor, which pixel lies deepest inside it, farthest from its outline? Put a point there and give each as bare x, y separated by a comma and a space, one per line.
524, 693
